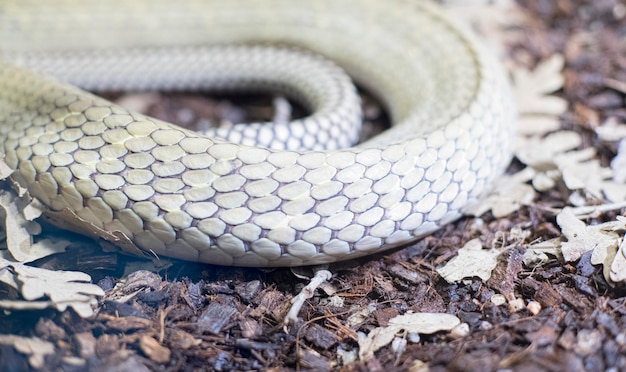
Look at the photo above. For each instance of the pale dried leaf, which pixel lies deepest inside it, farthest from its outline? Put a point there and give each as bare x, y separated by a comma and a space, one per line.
579, 198
531, 124
533, 88
611, 130
35, 348
509, 193
613, 191
618, 164
63, 288
618, 225
6, 274
33, 210
421, 323
472, 261
544, 181
19, 238
539, 153
553, 159
581, 173
606, 256
45, 248
359, 316
377, 338
539, 253
582, 238
618, 266
425, 323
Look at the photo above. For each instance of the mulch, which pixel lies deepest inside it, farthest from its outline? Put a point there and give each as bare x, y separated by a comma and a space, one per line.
202, 317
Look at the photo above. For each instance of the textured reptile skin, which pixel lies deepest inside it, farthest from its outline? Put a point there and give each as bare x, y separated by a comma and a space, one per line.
185, 195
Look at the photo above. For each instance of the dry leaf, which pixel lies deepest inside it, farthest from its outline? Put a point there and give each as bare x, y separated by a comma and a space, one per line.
611, 130
531, 124
539, 153
45, 248
618, 266
425, 323
539, 110
63, 288
420, 323
509, 193
538, 253
546, 180
581, 172
19, 236
606, 240
33, 210
472, 260
534, 88
553, 159
582, 238
618, 164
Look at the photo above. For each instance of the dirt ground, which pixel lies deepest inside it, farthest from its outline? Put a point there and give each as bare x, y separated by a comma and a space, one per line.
200, 317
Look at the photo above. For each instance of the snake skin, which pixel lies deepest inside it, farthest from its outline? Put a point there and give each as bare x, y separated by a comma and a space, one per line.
185, 195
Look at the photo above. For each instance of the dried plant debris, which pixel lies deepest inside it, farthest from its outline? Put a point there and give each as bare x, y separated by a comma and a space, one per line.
19, 212
42, 288
611, 130
472, 261
417, 323
538, 108
582, 238
618, 164
19, 231
605, 240
39, 288
509, 193
540, 253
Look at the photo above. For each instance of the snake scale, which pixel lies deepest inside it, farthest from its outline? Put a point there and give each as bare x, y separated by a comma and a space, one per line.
270, 200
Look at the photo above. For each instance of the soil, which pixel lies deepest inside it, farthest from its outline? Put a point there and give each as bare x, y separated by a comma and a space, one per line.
190, 316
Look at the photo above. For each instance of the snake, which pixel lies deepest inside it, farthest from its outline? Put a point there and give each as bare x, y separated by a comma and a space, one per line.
259, 194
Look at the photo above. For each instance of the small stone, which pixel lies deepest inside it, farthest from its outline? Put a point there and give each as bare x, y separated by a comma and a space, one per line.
534, 307
460, 330
498, 299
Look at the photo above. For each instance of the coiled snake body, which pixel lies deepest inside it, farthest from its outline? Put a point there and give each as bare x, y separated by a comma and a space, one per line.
138, 181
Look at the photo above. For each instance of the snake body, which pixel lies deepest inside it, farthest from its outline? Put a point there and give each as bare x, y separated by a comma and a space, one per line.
139, 181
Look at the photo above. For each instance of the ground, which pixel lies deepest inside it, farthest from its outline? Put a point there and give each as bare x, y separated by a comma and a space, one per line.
558, 316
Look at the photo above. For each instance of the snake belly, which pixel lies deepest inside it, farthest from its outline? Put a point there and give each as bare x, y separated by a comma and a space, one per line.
180, 194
